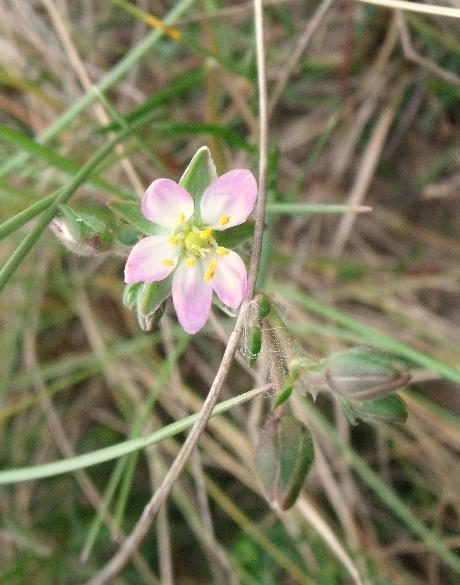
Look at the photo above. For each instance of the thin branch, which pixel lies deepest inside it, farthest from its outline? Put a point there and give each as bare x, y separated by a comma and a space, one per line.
411, 54
132, 542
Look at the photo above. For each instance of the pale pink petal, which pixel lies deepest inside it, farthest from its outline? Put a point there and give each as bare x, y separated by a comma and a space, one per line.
192, 296
230, 279
229, 200
151, 259
167, 203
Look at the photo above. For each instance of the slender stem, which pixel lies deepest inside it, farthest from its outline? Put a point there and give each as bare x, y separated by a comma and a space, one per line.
131, 544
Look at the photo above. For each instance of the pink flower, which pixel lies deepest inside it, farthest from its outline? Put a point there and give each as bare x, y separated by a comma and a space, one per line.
188, 247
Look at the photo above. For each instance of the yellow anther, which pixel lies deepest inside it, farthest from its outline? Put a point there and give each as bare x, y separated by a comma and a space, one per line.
224, 219
211, 269
222, 251
206, 233
181, 218
168, 262
190, 261
173, 239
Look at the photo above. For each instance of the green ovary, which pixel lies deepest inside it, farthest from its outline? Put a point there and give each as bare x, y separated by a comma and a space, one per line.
194, 243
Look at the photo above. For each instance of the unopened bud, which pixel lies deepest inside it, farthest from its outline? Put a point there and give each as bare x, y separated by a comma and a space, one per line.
283, 457
81, 234
363, 373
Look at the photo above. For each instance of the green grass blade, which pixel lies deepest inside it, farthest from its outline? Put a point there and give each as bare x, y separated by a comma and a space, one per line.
232, 137
115, 451
305, 208
17, 221
185, 82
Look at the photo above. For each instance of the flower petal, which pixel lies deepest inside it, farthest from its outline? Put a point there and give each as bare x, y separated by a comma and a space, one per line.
151, 259
230, 280
229, 199
192, 296
167, 203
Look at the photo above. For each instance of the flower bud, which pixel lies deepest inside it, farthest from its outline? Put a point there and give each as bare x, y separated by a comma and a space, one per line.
283, 457
389, 409
80, 233
363, 373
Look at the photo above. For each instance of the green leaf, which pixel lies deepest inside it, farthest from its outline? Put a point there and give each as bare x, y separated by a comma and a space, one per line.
235, 235
283, 457
131, 213
200, 173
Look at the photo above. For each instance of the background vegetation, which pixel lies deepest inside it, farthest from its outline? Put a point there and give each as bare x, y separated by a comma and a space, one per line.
97, 100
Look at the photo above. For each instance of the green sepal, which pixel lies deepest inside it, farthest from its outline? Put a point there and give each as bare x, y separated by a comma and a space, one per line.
235, 235
199, 174
390, 409
130, 294
150, 297
263, 307
348, 411
255, 345
84, 225
149, 322
100, 213
131, 213
283, 395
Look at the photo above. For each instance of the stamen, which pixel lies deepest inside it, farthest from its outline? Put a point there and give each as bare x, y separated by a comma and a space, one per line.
210, 271
168, 262
181, 218
224, 219
222, 251
173, 239
190, 261
206, 233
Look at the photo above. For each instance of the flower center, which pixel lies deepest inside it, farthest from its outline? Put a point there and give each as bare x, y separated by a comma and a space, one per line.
197, 242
